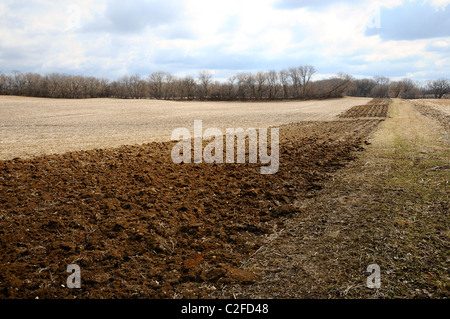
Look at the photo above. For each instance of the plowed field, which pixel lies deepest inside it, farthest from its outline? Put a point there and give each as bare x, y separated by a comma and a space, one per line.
140, 226
375, 108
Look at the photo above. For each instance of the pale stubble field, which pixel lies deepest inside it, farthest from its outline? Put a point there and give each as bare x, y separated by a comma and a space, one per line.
37, 126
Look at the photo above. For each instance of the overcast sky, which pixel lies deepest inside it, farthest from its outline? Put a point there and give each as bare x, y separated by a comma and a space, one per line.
111, 38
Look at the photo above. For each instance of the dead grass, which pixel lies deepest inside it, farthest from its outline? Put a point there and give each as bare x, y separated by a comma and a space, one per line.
436, 109
442, 105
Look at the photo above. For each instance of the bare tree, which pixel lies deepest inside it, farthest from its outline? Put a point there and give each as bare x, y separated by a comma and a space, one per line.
306, 72
103, 88
439, 87
260, 81
134, 86
242, 87
410, 89
169, 86
156, 80
115, 89
18, 82
3, 88
31, 84
396, 88
285, 83
205, 79
335, 87
188, 87
272, 84
54, 84
295, 76
217, 91
295, 82
73, 86
381, 89
362, 87
231, 90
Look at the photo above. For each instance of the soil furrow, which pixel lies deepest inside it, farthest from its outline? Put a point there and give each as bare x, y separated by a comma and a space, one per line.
141, 226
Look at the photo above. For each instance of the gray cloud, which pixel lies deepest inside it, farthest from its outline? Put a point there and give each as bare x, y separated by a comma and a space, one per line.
296, 4
412, 21
134, 16
143, 36
445, 49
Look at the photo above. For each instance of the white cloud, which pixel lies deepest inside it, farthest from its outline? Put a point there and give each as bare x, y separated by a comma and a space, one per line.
439, 4
442, 44
112, 38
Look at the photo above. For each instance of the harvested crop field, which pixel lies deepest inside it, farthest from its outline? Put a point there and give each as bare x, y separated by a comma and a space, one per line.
38, 126
141, 226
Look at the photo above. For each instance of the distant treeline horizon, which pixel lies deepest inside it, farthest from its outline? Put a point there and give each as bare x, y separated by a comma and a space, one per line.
294, 83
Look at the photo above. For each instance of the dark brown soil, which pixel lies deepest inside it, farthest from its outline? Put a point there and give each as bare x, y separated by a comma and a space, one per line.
140, 226
375, 108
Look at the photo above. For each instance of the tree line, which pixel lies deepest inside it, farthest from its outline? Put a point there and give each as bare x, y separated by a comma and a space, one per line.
291, 83
383, 87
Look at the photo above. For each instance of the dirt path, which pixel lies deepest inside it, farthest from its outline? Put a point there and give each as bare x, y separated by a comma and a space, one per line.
390, 208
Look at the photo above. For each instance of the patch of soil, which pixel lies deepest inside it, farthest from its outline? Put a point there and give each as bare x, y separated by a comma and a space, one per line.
375, 108
141, 226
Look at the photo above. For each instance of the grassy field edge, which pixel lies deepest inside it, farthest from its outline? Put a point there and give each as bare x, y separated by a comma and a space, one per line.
389, 207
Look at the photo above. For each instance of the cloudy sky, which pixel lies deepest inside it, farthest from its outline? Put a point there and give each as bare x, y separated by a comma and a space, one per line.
111, 38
